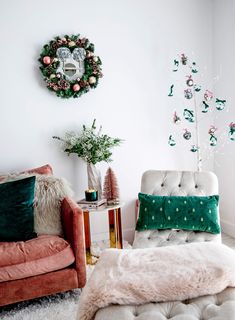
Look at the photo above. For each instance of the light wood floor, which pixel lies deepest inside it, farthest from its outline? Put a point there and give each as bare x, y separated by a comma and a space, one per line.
229, 241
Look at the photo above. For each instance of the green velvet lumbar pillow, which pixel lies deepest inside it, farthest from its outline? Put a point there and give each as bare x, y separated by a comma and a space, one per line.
176, 212
16, 210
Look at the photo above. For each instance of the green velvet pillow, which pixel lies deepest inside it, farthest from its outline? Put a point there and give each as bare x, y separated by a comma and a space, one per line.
16, 210
173, 212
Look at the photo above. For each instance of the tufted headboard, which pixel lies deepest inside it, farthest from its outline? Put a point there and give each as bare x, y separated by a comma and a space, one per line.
176, 183
179, 183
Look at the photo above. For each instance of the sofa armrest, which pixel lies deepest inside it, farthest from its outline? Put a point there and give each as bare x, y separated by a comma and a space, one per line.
73, 226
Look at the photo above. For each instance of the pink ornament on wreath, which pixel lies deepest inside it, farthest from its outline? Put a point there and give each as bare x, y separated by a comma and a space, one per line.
46, 60
76, 87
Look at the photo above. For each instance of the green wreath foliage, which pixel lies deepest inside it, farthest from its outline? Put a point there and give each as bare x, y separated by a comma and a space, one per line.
56, 81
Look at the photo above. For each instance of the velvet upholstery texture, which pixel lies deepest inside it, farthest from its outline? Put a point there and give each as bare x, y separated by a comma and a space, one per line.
38, 286
16, 210
71, 277
40, 255
175, 212
46, 169
72, 221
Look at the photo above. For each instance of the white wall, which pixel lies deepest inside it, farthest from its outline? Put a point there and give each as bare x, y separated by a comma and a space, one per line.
137, 41
224, 66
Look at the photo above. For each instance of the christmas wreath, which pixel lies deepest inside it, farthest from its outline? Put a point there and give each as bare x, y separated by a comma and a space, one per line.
69, 66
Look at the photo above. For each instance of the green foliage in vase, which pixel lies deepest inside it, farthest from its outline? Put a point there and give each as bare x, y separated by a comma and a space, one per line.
89, 145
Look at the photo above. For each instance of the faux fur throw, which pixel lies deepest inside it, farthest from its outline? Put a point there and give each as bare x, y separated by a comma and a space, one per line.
171, 273
49, 192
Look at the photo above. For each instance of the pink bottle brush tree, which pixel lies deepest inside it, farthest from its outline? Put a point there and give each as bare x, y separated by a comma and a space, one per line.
111, 189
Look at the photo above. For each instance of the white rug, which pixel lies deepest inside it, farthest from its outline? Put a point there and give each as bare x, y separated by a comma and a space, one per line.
61, 306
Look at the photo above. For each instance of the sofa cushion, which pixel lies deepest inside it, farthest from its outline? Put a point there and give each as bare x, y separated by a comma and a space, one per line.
36, 256
16, 210
178, 212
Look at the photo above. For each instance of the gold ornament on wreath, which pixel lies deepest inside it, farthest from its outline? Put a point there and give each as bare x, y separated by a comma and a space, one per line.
69, 66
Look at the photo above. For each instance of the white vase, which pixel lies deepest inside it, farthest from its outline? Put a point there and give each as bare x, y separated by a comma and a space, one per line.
94, 179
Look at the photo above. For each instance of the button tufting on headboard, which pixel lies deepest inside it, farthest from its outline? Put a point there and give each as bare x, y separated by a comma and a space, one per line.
181, 183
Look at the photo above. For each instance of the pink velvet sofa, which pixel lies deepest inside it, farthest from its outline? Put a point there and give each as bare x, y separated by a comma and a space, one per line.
47, 264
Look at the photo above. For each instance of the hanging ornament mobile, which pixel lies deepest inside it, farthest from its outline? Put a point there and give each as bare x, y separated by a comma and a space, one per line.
220, 104
176, 118
170, 94
232, 131
208, 95
193, 68
171, 141
197, 88
213, 138
195, 106
194, 148
69, 66
189, 115
184, 59
187, 134
205, 107
188, 94
176, 65
189, 81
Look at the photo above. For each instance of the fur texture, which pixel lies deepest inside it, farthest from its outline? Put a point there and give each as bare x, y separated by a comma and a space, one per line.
157, 274
49, 192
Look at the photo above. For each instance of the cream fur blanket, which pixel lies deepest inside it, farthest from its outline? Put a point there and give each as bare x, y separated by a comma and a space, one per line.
157, 274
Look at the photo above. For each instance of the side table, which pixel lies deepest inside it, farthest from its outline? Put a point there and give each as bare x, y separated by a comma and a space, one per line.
113, 218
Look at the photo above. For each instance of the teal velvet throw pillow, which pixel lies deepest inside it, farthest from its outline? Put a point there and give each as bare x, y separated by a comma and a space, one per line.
16, 210
178, 212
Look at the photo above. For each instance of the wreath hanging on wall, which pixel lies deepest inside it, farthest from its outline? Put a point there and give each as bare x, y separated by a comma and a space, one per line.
69, 66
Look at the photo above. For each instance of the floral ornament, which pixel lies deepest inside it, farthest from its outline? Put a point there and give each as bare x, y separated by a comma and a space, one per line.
205, 106
220, 104
189, 81
187, 134
208, 95
176, 65
194, 148
170, 94
188, 94
213, 138
176, 118
188, 115
183, 59
171, 141
69, 66
232, 131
